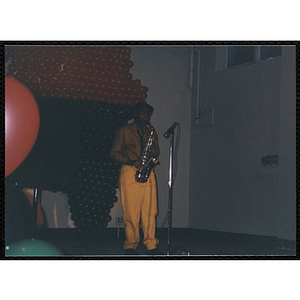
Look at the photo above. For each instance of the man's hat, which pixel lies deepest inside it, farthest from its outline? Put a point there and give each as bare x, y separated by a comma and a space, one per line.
142, 105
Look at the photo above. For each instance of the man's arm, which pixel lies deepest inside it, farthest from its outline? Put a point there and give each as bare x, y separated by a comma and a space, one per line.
116, 152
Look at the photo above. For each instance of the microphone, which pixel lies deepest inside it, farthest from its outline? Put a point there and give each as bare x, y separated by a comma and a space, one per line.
170, 130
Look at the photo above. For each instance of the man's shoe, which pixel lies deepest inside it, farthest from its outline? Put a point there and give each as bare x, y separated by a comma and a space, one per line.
131, 252
154, 251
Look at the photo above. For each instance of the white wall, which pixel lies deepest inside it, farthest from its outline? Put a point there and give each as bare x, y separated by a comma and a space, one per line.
253, 107
286, 228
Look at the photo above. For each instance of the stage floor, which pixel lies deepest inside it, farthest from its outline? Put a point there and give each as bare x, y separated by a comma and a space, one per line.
184, 244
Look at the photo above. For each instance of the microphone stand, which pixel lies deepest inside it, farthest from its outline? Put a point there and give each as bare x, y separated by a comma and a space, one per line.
170, 185
170, 133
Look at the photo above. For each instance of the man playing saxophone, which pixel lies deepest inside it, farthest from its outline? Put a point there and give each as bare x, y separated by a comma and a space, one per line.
139, 197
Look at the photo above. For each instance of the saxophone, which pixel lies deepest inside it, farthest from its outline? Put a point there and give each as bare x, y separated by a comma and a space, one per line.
147, 161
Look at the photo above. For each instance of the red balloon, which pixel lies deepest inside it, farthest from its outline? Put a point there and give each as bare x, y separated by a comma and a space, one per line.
22, 121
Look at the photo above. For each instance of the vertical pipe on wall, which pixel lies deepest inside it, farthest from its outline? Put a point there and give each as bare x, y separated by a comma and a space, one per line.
198, 89
191, 69
198, 81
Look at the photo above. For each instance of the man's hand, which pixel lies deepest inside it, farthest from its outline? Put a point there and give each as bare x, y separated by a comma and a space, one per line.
153, 148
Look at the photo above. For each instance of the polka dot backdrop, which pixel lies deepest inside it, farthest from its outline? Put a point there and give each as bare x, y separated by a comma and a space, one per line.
96, 179
98, 73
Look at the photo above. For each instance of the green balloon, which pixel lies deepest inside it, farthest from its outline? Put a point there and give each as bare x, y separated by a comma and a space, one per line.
31, 248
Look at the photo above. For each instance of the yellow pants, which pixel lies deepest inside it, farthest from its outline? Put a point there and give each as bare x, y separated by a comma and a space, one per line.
139, 202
